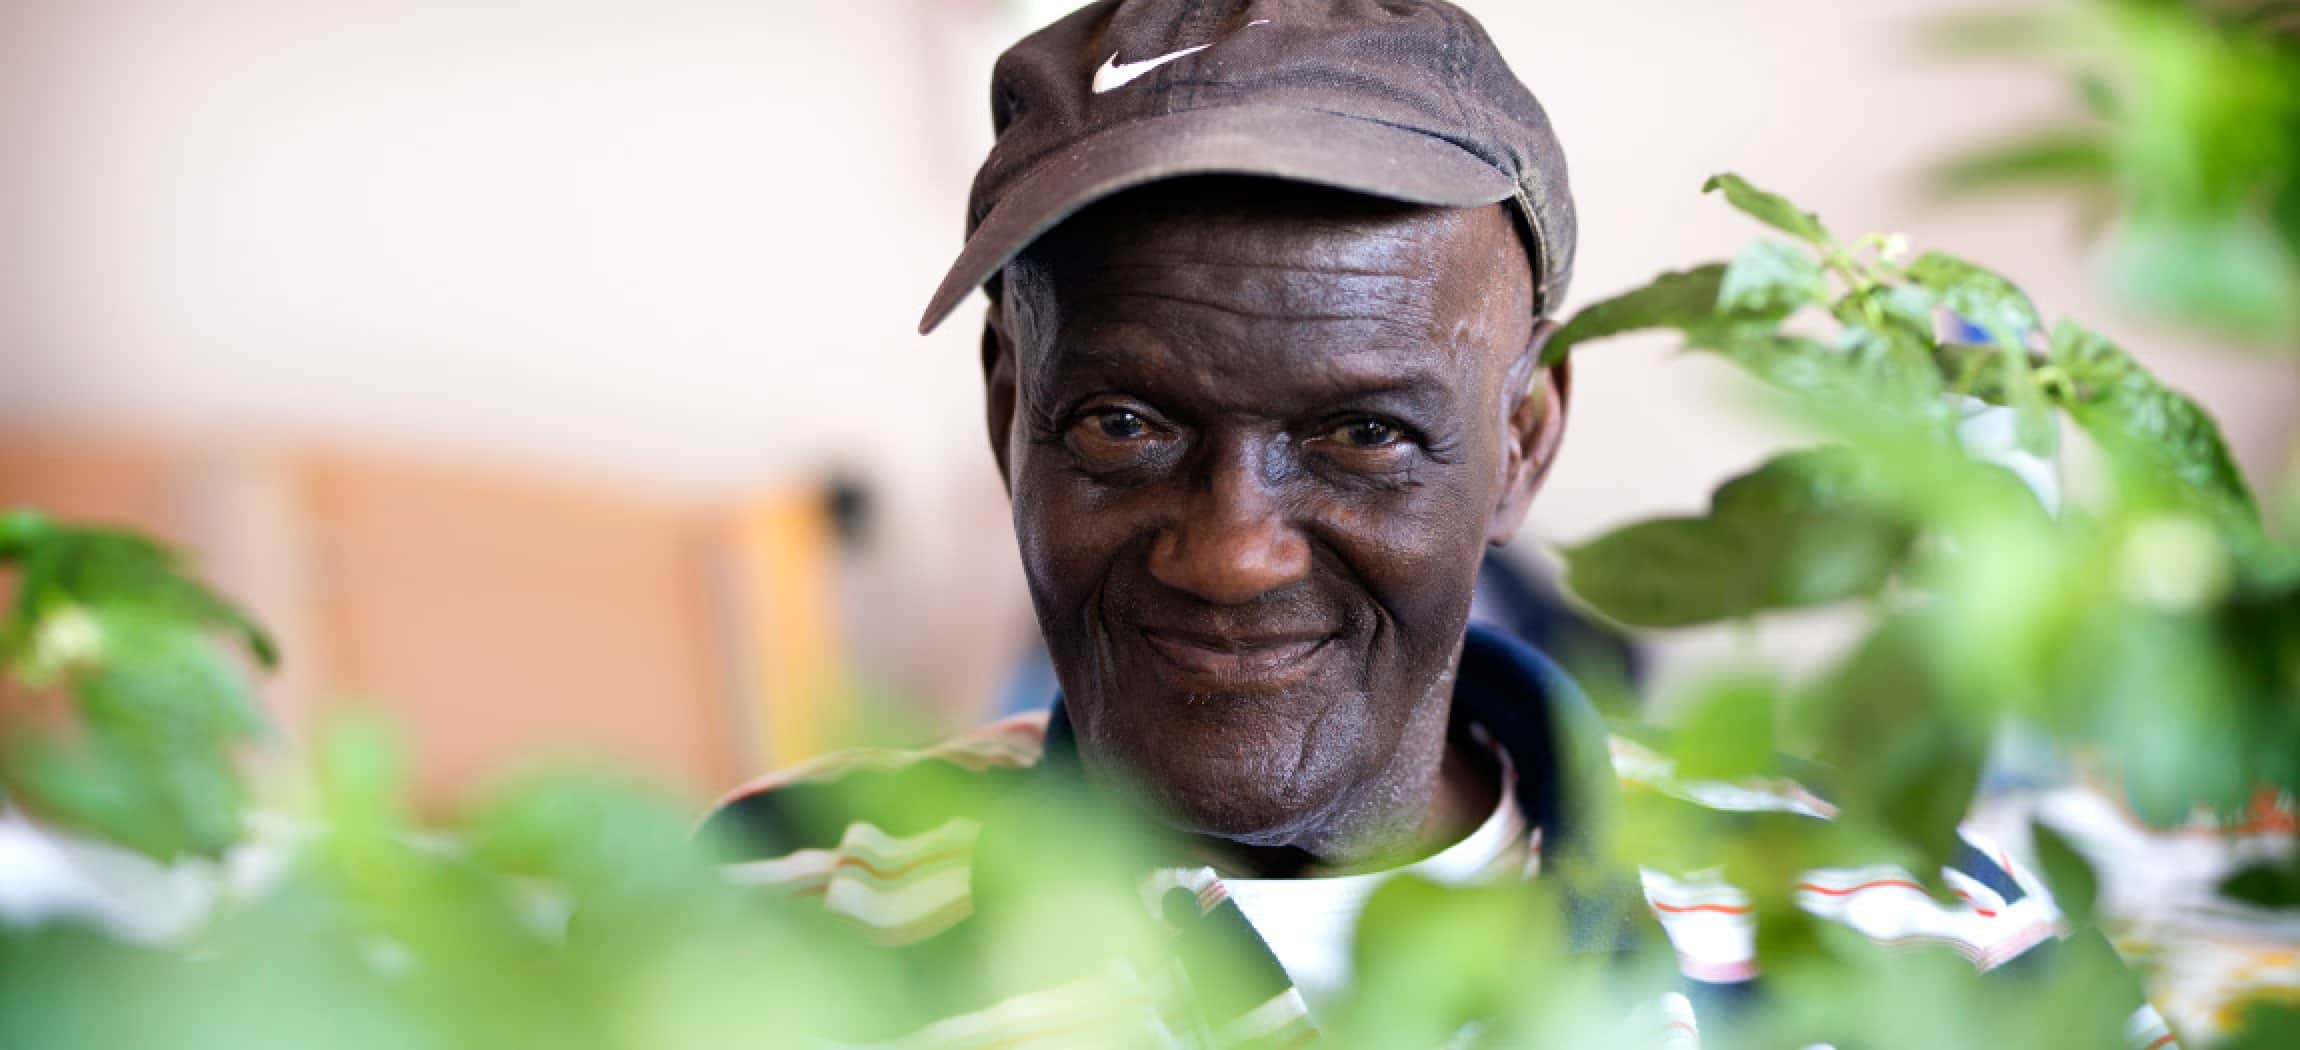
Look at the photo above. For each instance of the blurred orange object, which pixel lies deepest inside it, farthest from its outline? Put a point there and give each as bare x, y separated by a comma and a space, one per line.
500, 619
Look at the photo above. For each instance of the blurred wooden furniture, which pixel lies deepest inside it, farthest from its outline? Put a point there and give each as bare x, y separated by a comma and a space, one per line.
500, 619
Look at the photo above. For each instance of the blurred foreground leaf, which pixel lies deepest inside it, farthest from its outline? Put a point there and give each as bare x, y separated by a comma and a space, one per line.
2183, 128
2266, 1025
115, 621
2074, 887
1795, 532
2270, 885
2157, 437
1726, 732
2074, 159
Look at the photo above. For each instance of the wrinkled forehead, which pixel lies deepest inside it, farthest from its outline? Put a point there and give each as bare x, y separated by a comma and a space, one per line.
1277, 264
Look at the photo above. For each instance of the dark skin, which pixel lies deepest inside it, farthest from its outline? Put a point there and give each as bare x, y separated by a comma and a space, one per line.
1257, 437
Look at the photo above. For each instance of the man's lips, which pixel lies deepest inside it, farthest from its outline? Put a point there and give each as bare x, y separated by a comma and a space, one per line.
1238, 661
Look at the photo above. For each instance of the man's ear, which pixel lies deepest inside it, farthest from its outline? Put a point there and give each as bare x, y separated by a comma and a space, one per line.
1534, 429
998, 357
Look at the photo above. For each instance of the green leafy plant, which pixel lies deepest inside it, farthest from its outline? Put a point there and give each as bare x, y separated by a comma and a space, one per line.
2156, 629
2183, 139
113, 621
1854, 333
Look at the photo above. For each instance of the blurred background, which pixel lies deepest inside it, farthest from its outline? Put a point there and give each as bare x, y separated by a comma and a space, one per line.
546, 374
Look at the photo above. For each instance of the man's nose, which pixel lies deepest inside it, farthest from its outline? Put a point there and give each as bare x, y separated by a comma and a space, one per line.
1232, 542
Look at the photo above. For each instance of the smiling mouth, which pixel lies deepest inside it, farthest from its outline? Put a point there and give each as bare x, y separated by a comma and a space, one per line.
1238, 663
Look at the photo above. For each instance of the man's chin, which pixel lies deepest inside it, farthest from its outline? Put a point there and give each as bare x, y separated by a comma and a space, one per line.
1249, 801
1237, 821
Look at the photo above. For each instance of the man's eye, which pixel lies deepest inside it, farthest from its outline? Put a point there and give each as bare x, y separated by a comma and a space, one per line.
1112, 438
1367, 433
1117, 424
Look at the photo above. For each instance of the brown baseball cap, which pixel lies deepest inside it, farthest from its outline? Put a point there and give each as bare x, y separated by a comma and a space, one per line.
1403, 99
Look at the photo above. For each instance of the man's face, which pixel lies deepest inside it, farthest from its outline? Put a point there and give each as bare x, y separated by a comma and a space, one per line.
1257, 437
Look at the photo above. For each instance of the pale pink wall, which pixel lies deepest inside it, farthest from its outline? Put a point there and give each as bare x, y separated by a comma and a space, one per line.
682, 244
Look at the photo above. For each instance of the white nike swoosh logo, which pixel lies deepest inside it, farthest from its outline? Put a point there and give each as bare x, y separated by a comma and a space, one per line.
1115, 74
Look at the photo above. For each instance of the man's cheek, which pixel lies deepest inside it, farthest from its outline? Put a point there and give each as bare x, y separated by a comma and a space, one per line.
1412, 552
1059, 543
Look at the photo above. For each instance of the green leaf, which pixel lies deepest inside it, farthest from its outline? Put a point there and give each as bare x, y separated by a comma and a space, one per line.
2062, 157
1439, 953
1907, 759
19, 528
1969, 34
2036, 427
1727, 731
2263, 1023
1924, 810
1771, 278
2284, 211
161, 670
1881, 692
1909, 306
1983, 297
105, 567
1886, 340
2155, 436
2099, 95
1769, 208
1794, 363
2234, 276
1798, 531
1894, 368
113, 619
2067, 873
1673, 300
1978, 295
150, 762
2275, 886
580, 830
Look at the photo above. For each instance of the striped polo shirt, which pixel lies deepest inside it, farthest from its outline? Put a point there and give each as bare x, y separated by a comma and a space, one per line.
901, 873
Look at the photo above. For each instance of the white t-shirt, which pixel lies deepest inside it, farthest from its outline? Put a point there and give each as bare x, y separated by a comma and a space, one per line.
1309, 922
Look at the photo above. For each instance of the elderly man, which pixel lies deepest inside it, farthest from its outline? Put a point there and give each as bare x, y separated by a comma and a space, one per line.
1264, 378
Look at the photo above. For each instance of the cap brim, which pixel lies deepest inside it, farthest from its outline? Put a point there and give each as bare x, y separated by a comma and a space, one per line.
1325, 149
